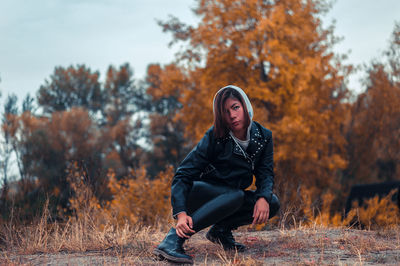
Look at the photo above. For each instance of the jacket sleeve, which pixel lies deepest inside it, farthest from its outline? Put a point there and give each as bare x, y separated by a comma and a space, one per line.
189, 170
264, 171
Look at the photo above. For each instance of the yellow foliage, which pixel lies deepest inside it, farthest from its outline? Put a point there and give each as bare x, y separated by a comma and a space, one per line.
373, 213
376, 212
325, 217
138, 199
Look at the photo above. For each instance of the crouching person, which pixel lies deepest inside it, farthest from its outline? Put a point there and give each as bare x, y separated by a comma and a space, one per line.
209, 185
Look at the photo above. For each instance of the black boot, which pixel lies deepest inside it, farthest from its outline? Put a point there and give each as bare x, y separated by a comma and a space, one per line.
224, 237
171, 248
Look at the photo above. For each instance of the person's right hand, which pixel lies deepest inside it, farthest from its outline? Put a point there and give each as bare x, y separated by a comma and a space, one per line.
184, 225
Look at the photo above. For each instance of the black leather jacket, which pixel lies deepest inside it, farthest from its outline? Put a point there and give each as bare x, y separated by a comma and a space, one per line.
221, 161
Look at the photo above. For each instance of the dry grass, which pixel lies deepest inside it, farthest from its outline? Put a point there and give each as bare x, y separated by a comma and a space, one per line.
76, 235
86, 241
81, 242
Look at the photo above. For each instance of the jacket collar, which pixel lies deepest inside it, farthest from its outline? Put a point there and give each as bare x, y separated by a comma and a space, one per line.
255, 140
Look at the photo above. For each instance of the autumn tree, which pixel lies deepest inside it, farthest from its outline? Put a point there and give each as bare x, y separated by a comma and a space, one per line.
17, 128
123, 95
169, 145
115, 106
374, 129
71, 87
125, 108
96, 125
281, 55
49, 145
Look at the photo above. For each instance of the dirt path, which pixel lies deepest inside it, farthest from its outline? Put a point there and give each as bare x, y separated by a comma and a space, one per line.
276, 247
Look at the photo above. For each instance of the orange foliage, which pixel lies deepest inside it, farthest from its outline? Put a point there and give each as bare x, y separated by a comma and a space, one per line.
376, 212
138, 199
73, 132
320, 215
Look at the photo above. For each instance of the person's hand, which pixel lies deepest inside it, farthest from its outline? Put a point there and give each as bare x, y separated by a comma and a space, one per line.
261, 211
184, 225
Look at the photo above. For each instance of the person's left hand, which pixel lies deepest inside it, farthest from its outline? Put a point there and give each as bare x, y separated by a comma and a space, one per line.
261, 211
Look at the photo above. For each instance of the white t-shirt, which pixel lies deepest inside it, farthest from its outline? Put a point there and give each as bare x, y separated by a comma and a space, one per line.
242, 143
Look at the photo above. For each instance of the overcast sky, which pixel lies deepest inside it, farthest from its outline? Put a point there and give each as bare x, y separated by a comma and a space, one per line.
36, 36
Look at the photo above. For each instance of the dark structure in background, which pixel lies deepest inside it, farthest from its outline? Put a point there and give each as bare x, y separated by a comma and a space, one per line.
364, 192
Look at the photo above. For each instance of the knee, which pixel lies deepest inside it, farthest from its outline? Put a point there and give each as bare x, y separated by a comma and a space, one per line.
237, 197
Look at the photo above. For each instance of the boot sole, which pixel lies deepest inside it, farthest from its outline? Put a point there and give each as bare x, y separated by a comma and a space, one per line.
163, 254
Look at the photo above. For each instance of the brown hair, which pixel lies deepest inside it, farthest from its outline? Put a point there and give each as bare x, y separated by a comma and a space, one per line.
221, 128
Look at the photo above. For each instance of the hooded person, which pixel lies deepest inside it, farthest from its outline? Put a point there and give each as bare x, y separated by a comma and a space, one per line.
209, 186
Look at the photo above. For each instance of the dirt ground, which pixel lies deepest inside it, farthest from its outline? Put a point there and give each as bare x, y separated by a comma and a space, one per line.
307, 246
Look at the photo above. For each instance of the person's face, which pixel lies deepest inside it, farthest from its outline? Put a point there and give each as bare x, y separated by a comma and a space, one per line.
234, 116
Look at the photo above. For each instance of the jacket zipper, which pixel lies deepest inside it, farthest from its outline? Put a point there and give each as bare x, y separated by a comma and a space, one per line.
245, 154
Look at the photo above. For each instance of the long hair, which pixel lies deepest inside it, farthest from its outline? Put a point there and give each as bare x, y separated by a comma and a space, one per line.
221, 128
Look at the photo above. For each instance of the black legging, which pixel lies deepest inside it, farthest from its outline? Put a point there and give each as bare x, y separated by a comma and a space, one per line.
210, 204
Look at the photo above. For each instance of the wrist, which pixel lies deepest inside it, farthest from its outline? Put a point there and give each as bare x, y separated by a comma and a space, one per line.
181, 214
262, 199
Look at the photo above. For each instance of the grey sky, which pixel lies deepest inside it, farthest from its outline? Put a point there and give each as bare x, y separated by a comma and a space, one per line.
36, 36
